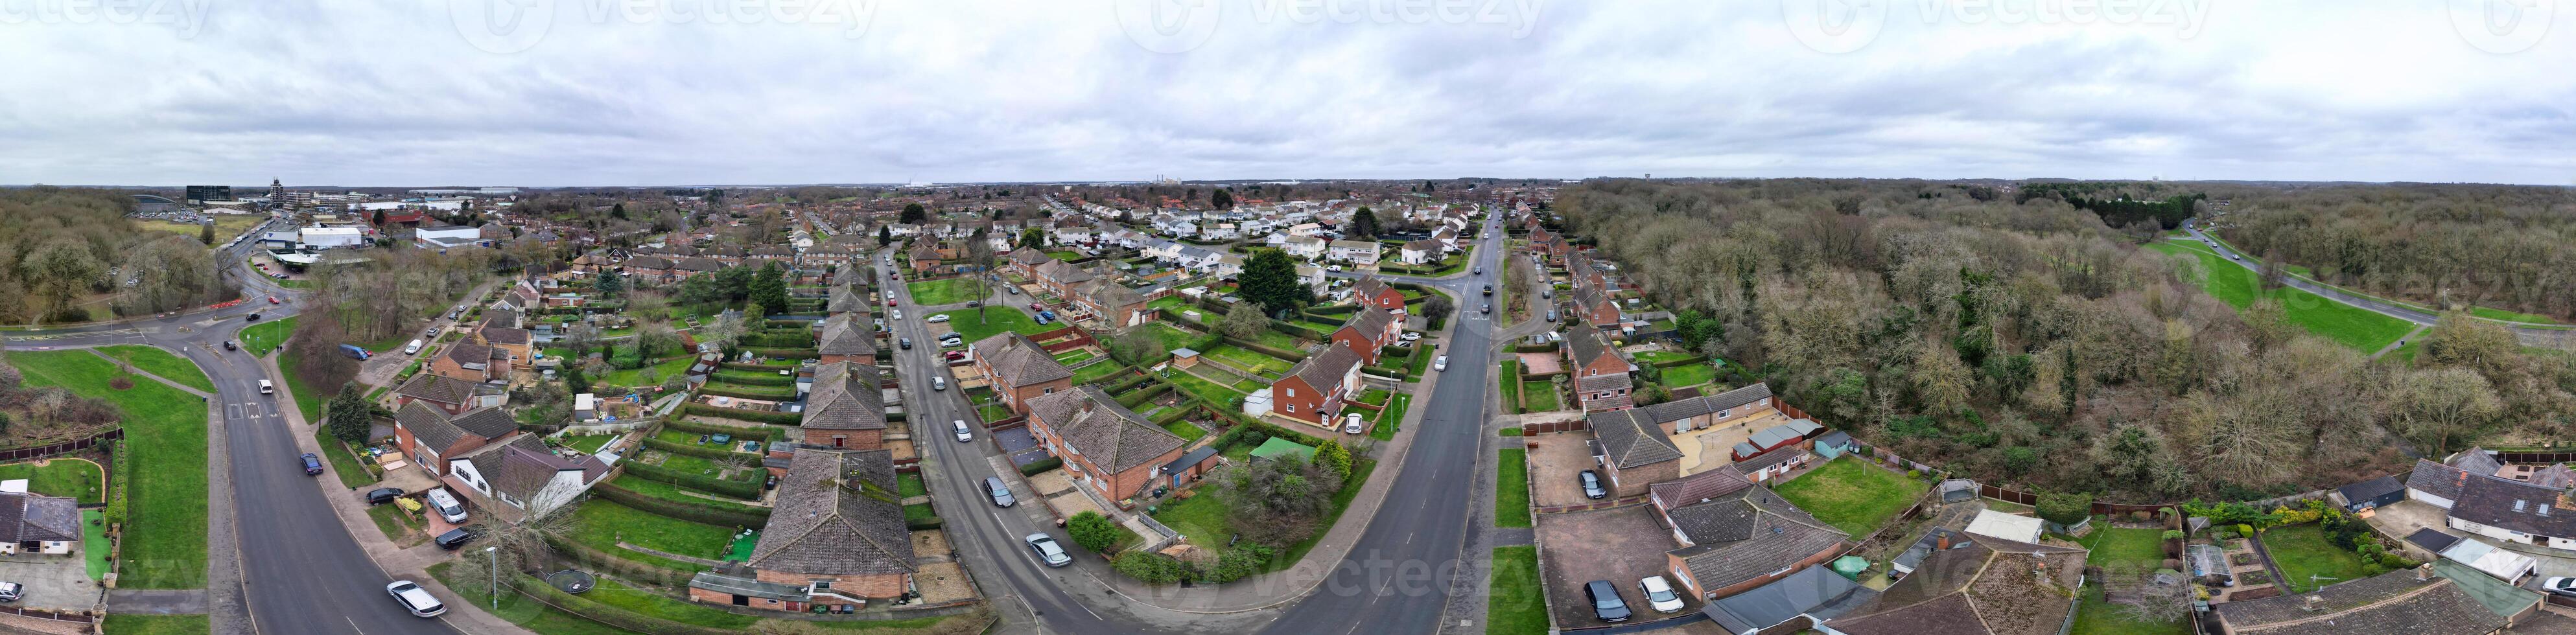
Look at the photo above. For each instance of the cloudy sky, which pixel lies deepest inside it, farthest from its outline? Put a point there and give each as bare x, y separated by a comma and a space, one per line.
647, 92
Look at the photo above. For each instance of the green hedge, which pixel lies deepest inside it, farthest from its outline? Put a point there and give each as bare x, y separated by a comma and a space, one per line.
1300, 331
746, 489
124, 473
1127, 384
1396, 373
777, 340
1332, 313
1398, 352
1136, 398
753, 367
756, 379
763, 416
785, 353
712, 512
623, 568
1265, 350
1040, 466
1694, 359
605, 614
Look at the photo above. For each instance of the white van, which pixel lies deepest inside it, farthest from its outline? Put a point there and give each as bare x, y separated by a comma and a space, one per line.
446, 505
413, 348
266, 389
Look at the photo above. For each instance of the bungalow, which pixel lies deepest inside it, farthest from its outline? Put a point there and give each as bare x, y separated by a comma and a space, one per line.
1111, 449
846, 409
845, 339
1312, 391
1370, 291
836, 539
1419, 252
1369, 331
1679, 438
1741, 538
1990, 587
2411, 601
1018, 369
1600, 371
1357, 252
429, 436
35, 523
448, 394
521, 478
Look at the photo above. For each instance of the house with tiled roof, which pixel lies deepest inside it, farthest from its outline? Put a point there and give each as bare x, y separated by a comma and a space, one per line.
835, 539
1740, 537
1113, 303
1991, 587
521, 478
1060, 277
1314, 390
1018, 369
429, 437
1419, 252
1682, 437
846, 408
1357, 252
1113, 450
1600, 371
448, 394
472, 362
1594, 306
847, 337
1025, 260
35, 523
924, 256
516, 342
2409, 602
1370, 291
1369, 331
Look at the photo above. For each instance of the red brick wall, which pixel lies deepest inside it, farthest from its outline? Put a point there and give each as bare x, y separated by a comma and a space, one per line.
1390, 299
860, 439
1312, 405
1633, 481
1603, 366
1368, 348
869, 359
1018, 397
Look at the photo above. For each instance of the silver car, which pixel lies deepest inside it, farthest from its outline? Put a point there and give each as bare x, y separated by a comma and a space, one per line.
1048, 551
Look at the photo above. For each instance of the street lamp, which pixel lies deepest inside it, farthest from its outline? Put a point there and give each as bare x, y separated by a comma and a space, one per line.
496, 576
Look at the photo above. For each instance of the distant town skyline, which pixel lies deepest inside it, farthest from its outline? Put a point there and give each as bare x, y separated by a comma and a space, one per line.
861, 91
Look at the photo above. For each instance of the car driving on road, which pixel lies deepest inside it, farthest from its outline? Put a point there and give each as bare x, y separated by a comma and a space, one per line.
415, 599
994, 487
1048, 551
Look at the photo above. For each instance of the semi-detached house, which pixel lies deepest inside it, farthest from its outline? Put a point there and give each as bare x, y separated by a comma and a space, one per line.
1314, 390
846, 409
835, 539
1019, 370
430, 437
1105, 446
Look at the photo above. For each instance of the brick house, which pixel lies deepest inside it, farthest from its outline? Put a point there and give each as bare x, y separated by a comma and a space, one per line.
1371, 291
1998, 587
1644, 445
1599, 371
1104, 446
1735, 536
510, 340
1313, 390
1061, 278
845, 339
1594, 307
1019, 370
924, 257
448, 394
846, 408
1111, 302
429, 437
1369, 331
472, 362
1025, 260
835, 539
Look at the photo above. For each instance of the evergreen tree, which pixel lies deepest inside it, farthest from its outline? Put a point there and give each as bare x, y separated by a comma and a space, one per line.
885, 234
617, 211
912, 214
1364, 223
1270, 280
1223, 199
769, 289
574, 381
610, 284
206, 232
348, 415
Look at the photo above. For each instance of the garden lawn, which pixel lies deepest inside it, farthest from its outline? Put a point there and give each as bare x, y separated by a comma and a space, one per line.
265, 336
1188, 432
141, 624
1688, 375
1511, 385
1391, 420
669, 492
587, 443
1538, 396
1172, 337
69, 478
518, 608
165, 543
1276, 339
1064, 254
1249, 359
1204, 389
392, 522
1074, 356
997, 319
160, 362
630, 377
918, 512
2302, 551
612, 593
1851, 494
1201, 518
1511, 489
1515, 607
2097, 616
2239, 287
909, 485
2116, 545
1658, 357
945, 291
344, 462
604, 523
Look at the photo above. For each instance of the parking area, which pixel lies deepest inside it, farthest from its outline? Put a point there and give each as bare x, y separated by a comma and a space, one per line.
53, 582
1620, 545
1555, 459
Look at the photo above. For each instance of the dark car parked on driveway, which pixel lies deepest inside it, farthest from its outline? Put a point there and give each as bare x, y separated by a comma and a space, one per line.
384, 495
1605, 601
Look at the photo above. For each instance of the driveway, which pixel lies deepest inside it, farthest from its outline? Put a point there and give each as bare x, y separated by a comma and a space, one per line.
54, 582
1555, 461
1620, 545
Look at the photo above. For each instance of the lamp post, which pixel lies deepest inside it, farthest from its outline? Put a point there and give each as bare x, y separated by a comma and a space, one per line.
496, 576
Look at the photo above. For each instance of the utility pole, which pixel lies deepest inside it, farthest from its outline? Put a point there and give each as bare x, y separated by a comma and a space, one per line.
496, 576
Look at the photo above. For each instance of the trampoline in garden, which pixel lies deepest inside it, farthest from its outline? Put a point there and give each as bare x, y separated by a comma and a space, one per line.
571, 581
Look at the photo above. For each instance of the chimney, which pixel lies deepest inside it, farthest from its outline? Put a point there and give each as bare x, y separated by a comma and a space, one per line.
1945, 542
2423, 572
2313, 603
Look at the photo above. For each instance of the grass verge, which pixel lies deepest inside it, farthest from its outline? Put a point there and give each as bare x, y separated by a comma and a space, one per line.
1511, 489
165, 544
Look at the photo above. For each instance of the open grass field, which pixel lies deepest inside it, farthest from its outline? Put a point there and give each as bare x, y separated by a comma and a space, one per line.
160, 362
997, 319
165, 544
2302, 551
1511, 489
945, 291
1516, 606
1851, 494
603, 524
70, 478
263, 337
2240, 287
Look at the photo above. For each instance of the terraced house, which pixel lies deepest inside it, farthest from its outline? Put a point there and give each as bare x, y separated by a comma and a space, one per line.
846, 408
1107, 447
836, 539
845, 338
1314, 390
1019, 370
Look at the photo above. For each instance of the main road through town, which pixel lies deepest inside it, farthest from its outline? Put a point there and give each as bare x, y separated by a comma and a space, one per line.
1398, 577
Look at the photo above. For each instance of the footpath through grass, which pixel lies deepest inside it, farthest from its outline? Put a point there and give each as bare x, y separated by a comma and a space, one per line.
2238, 286
1851, 494
160, 362
1515, 606
165, 536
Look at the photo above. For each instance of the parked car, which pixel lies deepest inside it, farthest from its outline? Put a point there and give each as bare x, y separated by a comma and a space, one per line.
1606, 604
1659, 594
353, 351
456, 314
312, 464
1440, 363
1551, 315
1351, 424
889, 302
955, 355
963, 433
1592, 485
415, 599
906, 343
2561, 586
273, 300
938, 383
943, 317
897, 314
1048, 551
1410, 336
995, 488
10, 591
384, 495
1013, 290
446, 506
412, 349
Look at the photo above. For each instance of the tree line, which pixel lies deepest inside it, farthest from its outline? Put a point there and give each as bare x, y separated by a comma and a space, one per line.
65, 250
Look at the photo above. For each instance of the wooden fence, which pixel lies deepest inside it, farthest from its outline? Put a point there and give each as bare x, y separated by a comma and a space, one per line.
65, 447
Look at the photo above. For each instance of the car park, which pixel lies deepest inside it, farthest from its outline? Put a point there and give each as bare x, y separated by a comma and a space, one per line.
415, 599
1592, 485
1606, 604
964, 433
1048, 551
384, 495
998, 490
312, 464
1659, 594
